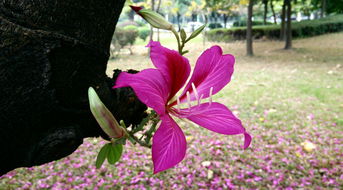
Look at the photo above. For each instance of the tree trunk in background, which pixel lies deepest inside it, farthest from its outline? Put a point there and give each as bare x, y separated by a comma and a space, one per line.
131, 15
323, 9
151, 28
225, 17
265, 2
283, 23
249, 29
178, 16
50, 53
288, 44
273, 11
158, 11
204, 31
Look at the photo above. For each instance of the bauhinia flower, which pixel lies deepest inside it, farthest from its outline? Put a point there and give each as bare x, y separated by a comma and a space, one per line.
157, 88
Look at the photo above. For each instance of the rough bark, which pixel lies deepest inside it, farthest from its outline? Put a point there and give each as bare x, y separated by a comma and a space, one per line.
288, 44
249, 29
50, 53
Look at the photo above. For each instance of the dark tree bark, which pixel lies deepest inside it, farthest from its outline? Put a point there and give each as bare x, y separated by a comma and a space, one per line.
265, 2
283, 21
249, 29
50, 53
288, 44
273, 11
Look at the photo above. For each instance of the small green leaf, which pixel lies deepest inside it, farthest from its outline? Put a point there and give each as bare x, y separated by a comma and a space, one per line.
184, 52
121, 141
183, 35
114, 153
102, 155
196, 32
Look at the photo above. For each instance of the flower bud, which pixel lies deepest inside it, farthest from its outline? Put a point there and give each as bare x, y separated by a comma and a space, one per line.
103, 116
153, 18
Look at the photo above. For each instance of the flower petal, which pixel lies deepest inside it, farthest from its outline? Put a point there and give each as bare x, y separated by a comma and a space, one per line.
215, 117
247, 140
174, 67
169, 145
213, 69
149, 86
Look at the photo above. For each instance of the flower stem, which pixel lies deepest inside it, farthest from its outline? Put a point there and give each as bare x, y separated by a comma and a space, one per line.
179, 46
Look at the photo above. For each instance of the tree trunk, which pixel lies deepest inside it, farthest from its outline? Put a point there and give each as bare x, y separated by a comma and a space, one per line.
178, 16
273, 11
323, 9
265, 2
204, 31
131, 15
288, 44
249, 29
158, 11
151, 28
50, 53
283, 18
225, 17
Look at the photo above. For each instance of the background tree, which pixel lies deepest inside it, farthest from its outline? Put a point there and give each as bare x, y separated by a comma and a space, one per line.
288, 44
249, 29
273, 10
283, 21
265, 12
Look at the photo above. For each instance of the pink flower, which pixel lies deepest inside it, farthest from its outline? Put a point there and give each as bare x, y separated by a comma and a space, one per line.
157, 89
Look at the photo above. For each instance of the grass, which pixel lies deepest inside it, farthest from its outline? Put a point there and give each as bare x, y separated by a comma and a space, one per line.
284, 99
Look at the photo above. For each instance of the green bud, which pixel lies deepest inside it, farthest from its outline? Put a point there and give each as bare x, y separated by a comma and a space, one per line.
103, 116
153, 18
183, 35
196, 32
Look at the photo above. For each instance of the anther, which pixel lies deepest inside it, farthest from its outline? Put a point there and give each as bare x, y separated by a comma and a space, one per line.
195, 91
189, 100
210, 99
199, 100
178, 104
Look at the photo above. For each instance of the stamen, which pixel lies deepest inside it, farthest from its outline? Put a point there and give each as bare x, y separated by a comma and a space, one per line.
210, 98
178, 104
189, 100
195, 91
199, 100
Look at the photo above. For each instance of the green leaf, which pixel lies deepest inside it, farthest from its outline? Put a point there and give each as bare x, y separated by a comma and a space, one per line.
121, 141
102, 155
196, 32
114, 153
183, 35
184, 52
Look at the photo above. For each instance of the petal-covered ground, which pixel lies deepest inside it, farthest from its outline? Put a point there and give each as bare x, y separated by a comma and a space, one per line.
291, 102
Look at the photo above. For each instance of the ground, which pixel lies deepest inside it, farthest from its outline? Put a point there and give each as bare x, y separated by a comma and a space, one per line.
290, 101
